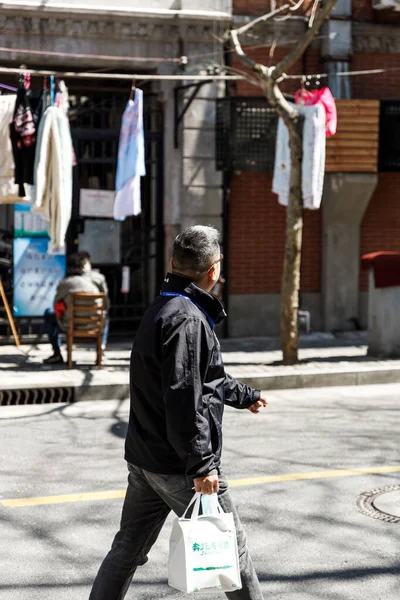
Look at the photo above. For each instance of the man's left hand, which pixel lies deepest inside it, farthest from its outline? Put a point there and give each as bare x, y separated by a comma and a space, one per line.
255, 408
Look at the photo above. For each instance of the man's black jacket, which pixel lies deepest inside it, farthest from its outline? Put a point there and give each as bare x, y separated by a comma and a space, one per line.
179, 385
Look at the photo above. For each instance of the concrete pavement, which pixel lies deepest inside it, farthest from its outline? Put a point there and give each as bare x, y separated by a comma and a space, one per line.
325, 360
307, 537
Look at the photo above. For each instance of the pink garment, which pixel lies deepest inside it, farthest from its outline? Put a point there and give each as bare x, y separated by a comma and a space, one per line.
324, 97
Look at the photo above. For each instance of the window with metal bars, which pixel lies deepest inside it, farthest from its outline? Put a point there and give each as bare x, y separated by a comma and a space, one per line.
245, 134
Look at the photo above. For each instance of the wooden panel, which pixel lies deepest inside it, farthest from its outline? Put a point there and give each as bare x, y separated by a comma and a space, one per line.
354, 148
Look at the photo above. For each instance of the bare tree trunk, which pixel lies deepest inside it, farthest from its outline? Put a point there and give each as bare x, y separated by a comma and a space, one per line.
269, 80
292, 261
294, 225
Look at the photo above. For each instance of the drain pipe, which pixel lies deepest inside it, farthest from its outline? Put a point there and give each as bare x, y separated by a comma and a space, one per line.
337, 48
226, 180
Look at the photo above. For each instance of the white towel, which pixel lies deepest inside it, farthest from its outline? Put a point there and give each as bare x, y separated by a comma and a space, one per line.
313, 163
127, 200
52, 192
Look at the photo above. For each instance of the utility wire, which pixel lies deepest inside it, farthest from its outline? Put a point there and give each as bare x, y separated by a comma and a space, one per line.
99, 56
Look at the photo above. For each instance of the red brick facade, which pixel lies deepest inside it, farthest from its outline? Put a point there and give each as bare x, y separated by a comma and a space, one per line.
257, 222
381, 224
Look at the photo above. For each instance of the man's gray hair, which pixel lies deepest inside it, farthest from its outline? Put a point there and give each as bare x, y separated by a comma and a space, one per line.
195, 250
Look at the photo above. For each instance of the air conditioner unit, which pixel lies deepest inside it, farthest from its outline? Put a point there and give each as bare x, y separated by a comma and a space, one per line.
385, 4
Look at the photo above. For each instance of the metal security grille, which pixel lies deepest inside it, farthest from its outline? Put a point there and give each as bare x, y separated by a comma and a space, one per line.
389, 137
245, 134
38, 396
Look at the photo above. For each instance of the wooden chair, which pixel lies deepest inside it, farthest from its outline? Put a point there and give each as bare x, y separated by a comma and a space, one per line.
86, 318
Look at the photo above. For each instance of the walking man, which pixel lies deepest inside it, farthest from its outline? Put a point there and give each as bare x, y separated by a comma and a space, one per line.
178, 391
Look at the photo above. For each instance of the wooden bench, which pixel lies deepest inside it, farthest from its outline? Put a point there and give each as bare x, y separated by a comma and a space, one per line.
86, 319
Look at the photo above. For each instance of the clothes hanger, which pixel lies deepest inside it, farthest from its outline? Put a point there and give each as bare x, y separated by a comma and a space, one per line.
8, 87
133, 89
24, 78
302, 93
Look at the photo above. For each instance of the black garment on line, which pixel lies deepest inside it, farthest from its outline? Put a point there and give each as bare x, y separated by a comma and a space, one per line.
24, 156
179, 385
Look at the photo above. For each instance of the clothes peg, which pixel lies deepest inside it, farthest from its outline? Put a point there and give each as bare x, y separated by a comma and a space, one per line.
52, 88
21, 78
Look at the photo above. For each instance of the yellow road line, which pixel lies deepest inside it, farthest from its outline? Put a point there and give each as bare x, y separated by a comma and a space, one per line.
84, 497
313, 475
110, 495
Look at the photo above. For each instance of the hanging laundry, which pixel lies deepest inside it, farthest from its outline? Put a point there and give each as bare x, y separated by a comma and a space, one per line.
313, 163
62, 101
29, 109
323, 96
131, 160
9, 190
52, 193
62, 97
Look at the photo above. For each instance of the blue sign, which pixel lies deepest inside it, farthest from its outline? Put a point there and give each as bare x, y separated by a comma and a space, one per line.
36, 275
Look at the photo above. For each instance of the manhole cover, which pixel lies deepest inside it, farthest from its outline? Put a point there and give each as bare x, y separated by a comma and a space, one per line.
382, 504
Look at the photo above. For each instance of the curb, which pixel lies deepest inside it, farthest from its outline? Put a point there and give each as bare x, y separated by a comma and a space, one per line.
312, 379
322, 379
267, 382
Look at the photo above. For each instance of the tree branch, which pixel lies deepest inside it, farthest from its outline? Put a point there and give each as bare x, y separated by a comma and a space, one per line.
239, 50
261, 19
295, 54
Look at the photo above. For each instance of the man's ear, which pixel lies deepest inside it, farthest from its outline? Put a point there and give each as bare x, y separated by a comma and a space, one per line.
212, 274
171, 264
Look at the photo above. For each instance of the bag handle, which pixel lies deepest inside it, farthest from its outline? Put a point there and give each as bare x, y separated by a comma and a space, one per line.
196, 500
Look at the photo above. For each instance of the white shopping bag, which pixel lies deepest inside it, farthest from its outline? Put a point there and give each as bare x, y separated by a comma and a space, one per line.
203, 554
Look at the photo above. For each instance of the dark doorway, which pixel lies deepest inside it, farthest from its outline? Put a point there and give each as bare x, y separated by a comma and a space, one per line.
95, 118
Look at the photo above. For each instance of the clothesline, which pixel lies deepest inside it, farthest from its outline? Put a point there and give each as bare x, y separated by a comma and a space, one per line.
341, 73
98, 56
183, 77
122, 76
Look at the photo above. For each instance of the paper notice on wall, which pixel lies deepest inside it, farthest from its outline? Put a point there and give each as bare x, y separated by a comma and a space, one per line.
126, 280
28, 224
102, 239
96, 203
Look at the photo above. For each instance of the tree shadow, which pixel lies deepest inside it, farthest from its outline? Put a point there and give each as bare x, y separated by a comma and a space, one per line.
120, 427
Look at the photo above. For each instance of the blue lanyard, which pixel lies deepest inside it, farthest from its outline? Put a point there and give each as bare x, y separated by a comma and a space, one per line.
176, 295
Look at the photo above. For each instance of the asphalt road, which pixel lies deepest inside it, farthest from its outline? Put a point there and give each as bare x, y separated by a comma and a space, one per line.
307, 538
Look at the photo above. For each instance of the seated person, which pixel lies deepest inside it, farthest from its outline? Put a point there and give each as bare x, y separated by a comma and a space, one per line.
75, 281
101, 283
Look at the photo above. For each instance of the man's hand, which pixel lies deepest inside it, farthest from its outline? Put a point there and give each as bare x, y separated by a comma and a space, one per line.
206, 485
255, 408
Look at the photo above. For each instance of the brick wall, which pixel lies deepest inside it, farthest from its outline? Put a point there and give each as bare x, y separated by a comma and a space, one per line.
257, 222
257, 237
261, 7
363, 11
383, 86
381, 224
